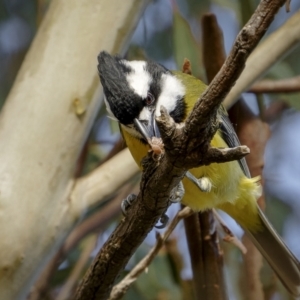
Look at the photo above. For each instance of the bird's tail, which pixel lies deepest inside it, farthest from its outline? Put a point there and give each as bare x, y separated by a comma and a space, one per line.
280, 258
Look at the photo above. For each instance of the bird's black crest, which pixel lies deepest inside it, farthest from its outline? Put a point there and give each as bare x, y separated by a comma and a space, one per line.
124, 103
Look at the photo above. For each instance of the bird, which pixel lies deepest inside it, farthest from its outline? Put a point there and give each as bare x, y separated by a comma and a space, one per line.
134, 93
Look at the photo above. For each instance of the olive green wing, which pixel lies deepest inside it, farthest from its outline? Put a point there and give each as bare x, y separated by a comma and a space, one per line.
230, 137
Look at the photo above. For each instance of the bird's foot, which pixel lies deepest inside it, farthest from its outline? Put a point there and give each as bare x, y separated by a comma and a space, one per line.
127, 202
164, 220
177, 193
176, 196
203, 183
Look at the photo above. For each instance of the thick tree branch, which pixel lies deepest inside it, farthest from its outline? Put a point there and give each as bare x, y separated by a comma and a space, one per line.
96, 186
58, 71
184, 150
201, 258
94, 223
245, 42
120, 289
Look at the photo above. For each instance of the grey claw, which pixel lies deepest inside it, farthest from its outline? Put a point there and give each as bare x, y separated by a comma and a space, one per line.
177, 193
203, 183
164, 221
126, 203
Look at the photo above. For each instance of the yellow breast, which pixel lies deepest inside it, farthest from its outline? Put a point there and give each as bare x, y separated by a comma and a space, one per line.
231, 190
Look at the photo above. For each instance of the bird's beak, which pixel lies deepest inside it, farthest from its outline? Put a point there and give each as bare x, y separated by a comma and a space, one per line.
148, 129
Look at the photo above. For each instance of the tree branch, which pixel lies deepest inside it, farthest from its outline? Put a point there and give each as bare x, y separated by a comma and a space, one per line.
266, 55
98, 220
183, 150
213, 46
51, 132
200, 251
229, 236
289, 85
121, 288
102, 182
222, 155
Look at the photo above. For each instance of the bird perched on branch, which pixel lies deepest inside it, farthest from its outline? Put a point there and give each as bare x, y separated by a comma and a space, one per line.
134, 92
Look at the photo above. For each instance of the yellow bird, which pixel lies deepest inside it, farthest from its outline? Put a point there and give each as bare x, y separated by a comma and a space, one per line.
134, 92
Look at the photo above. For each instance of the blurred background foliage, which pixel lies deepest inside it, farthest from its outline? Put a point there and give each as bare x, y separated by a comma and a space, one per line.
169, 31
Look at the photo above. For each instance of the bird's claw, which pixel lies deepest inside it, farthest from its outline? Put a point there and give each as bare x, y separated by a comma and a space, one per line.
177, 193
204, 184
127, 202
176, 196
164, 219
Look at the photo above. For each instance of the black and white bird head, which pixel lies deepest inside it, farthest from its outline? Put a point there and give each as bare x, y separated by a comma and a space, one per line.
135, 91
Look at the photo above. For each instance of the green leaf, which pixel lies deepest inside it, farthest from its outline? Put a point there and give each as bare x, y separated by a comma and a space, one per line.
193, 8
185, 46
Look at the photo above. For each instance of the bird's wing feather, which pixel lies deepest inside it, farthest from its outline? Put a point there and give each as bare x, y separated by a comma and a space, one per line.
280, 258
230, 137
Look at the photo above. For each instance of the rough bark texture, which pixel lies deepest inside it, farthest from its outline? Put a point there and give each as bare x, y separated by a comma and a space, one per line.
184, 150
206, 256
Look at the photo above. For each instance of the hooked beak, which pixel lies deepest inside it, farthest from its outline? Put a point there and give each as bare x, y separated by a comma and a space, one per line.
148, 129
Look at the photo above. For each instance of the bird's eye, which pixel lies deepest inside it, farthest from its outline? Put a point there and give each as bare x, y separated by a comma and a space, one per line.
150, 99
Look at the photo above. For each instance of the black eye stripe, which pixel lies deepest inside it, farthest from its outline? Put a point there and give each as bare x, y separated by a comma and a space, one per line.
156, 72
179, 113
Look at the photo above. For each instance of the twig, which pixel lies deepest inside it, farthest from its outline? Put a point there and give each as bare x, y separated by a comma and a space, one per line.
70, 284
290, 85
220, 86
98, 220
121, 288
186, 147
266, 55
229, 237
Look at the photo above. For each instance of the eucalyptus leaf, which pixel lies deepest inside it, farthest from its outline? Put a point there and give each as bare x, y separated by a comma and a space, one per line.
185, 46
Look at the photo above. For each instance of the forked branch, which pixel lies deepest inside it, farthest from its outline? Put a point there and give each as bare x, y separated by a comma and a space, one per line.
183, 150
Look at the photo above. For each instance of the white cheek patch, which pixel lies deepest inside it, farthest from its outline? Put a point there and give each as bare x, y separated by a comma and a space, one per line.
172, 89
138, 79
